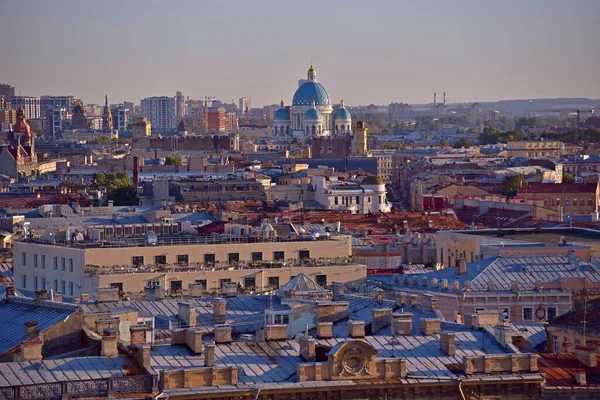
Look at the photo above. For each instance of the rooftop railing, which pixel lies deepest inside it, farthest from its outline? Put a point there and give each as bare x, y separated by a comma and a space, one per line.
174, 241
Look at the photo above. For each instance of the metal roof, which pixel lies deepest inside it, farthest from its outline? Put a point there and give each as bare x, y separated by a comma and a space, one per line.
301, 283
60, 370
15, 311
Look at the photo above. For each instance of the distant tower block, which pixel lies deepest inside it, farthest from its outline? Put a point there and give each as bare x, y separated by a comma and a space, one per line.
360, 139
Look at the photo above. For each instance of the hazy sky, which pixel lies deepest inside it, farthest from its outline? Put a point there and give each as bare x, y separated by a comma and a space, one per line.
364, 51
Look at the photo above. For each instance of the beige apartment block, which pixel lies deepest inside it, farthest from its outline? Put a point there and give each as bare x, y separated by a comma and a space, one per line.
77, 268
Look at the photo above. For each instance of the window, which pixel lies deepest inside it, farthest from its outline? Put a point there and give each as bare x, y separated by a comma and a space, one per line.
160, 260
70, 288
35, 261
567, 202
63, 264
233, 257
321, 280
527, 314
574, 202
56, 285
43, 261
210, 258
182, 259
249, 282
555, 344
274, 282
35, 283
281, 319
479, 309
278, 255
23, 259
223, 281
335, 200
56, 263
551, 313
118, 285
201, 282
70, 265
590, 201
24, 281
558, 202
304, 254
63, 286
137, 261
257, 256
357, 200
176, 286
43, 283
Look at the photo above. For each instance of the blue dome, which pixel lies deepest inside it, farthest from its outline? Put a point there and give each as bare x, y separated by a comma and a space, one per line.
312, 115
310, 91
341, 113
283, 114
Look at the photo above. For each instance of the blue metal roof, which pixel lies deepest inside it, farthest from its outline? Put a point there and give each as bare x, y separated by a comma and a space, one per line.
16, 311
342, 113
283, 114
310, 91
312, 115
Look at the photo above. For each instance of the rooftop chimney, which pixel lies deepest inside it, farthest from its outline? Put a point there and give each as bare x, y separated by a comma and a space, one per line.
222, 333
448, 343
187, 313
219, 310
461, 266
338, 290
31, 329
41, 295
587, 356
10, 290
356, 329
31, 350
308, 348
325, 330
109, 343
209, 355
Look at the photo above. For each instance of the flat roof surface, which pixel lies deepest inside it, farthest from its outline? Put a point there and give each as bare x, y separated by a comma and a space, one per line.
548, 236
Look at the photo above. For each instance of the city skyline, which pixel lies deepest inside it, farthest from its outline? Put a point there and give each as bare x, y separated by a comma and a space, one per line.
394, 51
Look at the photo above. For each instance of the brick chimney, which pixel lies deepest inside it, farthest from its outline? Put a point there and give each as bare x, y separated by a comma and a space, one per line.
187, 313
109, 343
338, 290
445, 284
381, 317
31, 329
107, 295
10, 290
209, 355
138, 335
41, 295
84, 297
461, 266
356, 329
587, 356
223, 333
58, 297
448, 343
430, 326
402, 324
325, 330
379, 296
31, 350
308, 348
219, 310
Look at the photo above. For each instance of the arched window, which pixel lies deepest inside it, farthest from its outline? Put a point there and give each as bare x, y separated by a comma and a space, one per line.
313, 130
307, 130
348, 129
276, 130
320, 127
343, 129
287, 129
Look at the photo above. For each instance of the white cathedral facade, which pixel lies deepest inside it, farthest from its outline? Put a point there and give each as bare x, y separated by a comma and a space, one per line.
311, 113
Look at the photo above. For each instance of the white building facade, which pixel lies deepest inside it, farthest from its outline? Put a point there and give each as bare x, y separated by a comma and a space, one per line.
161, 111
368, 196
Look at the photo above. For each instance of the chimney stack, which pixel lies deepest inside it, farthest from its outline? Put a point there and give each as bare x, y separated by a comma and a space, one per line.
308, 348
219, 310
461, 266
41, 295
31, 329
136, 171
356, 329
338, 290
10, 290
325, 330
209, 355
109, 343
187, 313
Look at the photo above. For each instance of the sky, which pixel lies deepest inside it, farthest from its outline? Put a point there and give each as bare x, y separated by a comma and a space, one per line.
365, 52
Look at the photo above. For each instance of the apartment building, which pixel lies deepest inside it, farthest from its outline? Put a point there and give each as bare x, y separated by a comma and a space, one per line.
534, 148
177, 261
161, 111
31, 106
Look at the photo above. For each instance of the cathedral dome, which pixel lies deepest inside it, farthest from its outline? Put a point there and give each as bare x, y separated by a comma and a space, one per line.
313, 114
283, 114
342, 113
311, 91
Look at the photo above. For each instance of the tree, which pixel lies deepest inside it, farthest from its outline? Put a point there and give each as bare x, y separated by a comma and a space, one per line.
460, 143
568, 178
511, 185
444, 143
124, 196
36, 127
100, 178
173, 160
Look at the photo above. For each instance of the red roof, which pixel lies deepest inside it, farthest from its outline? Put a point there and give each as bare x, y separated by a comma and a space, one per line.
560, 370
